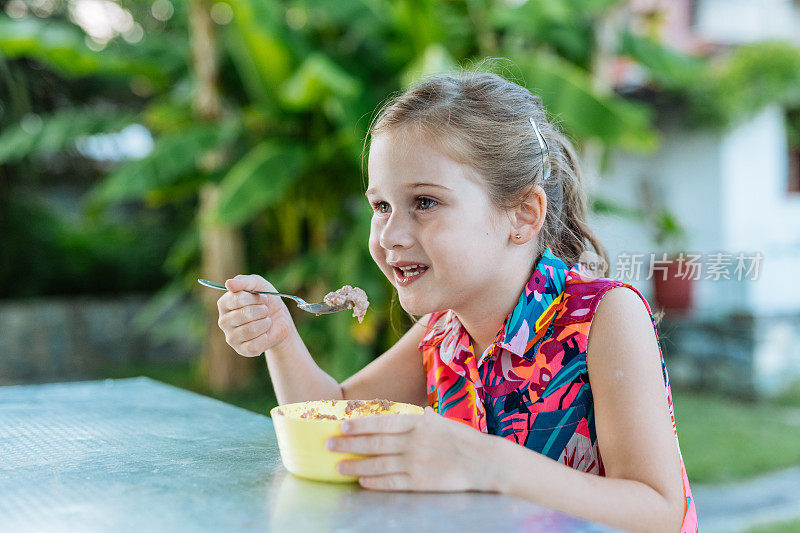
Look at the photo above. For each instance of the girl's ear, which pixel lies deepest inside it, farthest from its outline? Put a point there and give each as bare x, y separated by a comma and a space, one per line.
527, 219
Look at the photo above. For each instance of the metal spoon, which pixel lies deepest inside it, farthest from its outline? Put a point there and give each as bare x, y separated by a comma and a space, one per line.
320, 308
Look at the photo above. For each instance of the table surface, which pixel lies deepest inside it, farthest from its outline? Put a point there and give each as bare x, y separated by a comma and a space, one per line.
136, 454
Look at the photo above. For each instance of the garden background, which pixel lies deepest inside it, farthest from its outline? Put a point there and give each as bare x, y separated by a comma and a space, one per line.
146, 144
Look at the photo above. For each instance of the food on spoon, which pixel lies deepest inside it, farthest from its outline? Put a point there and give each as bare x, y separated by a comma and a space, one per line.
355, 298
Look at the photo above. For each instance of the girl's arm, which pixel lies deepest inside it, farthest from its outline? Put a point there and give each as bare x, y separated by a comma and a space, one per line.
260, 323
395, 375
643, 487
295, 375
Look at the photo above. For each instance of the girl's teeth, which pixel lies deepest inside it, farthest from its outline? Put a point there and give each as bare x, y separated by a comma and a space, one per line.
408, 272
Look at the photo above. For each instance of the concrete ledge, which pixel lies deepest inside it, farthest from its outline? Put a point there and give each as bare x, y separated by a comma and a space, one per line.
58, 339
732, 507
749, 356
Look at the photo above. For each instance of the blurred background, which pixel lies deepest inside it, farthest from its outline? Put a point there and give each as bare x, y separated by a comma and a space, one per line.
145, 144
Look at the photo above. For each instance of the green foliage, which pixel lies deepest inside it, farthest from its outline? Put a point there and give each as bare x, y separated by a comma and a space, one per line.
566, 27
668, 230
793, 127
258, 181
63, 48
299, 82
56, 132
317, 79
566, 91
174, 157
51, 254
727, 89
260, 48
669, 68
789, 396
170, 314
752, 77
602, 206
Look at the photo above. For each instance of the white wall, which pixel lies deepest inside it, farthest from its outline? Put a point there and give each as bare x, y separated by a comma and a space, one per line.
686, 171
759, 215
747, 21
728, 191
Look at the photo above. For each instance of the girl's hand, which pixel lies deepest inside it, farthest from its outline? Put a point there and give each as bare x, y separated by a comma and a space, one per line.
253, 323
412, 452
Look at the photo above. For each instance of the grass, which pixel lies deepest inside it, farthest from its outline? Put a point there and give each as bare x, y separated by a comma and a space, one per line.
782, 527
791, 396
721, 439
724, 439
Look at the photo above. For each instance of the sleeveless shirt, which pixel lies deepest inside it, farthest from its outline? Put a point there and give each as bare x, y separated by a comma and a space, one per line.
531, 385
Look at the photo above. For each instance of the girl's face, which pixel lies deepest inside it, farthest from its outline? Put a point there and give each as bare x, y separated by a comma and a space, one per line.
433, 211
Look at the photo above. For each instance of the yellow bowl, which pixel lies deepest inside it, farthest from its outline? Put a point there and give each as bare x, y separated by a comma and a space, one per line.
302, 440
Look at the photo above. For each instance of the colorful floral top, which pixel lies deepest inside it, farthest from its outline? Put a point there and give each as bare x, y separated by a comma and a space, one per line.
532, 385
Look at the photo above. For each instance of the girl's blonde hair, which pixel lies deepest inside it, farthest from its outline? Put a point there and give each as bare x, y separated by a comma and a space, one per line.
482, 120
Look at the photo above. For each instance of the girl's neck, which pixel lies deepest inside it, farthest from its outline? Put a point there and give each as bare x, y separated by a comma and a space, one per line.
485, 317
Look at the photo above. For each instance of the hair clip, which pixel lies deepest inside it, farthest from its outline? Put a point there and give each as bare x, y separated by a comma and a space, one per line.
543, 150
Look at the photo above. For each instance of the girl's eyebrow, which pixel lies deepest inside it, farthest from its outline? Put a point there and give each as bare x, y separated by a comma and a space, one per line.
414, 186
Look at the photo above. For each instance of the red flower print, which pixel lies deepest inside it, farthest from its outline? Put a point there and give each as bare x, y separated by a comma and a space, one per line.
537, 285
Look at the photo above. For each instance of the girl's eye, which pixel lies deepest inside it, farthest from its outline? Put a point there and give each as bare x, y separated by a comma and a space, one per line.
423, 198
377, 206
420, 200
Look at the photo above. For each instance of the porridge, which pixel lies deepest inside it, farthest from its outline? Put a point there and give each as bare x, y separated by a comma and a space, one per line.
352, 409
354, 297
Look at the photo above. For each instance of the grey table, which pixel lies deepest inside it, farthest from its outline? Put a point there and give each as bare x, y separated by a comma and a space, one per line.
139, 455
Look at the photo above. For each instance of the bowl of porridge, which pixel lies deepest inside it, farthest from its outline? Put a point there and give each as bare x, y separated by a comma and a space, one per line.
302, 429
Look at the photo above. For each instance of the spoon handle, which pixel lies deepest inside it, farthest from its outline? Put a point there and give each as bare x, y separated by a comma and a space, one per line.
224, 288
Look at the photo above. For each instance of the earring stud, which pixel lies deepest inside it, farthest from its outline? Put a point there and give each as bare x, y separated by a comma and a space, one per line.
518, 236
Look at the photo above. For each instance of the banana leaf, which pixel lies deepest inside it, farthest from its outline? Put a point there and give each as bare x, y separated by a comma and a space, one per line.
258, 181
52, 133
670, 68
174, 156
567, 94
317, 79
62, 47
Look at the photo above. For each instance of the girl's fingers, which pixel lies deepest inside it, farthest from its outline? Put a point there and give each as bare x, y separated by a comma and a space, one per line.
254, 347
251, 330
238, 295
236, 300
390, 482
368, 444
372, 466
250, 282
244, 315
381, 424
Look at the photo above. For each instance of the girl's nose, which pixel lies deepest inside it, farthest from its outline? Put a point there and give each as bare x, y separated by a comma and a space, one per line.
395, 233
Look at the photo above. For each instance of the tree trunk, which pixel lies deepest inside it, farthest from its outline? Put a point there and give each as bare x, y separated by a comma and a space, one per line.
222, 248
223, 257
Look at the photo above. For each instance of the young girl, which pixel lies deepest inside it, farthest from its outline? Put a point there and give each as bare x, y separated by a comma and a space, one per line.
539, 379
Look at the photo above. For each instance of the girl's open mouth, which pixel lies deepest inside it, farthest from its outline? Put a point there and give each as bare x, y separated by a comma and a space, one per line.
405, 278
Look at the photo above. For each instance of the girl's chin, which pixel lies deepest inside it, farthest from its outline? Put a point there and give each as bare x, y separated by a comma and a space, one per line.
414, 307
